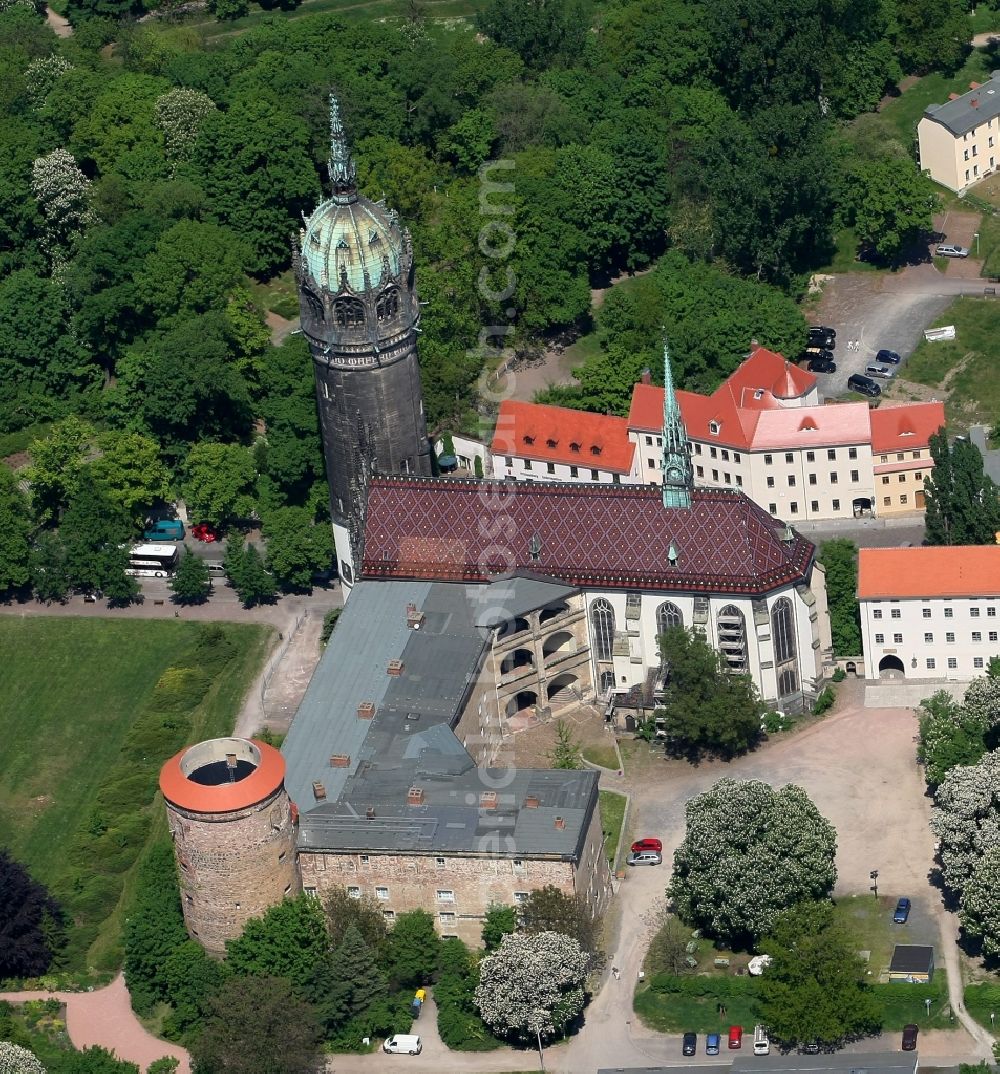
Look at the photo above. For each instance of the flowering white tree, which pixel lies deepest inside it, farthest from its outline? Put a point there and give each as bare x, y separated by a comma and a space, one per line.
63, 195
981, 902
179, 114
17, 1060
982, 700
966, 818
749, 852
42, 74
532, 984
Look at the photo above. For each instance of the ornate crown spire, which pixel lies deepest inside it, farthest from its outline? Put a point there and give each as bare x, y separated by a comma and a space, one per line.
343, 173
677, 473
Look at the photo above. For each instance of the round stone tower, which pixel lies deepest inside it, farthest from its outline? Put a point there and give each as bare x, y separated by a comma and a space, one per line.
234, 834
360, 316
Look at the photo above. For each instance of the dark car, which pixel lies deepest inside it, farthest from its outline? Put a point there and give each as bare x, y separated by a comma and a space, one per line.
902, 912
813, 351
649, 843
888, 356
863, 385
823, 330
712, 1044
822, 365
819, 337
910, 1033
690, 1044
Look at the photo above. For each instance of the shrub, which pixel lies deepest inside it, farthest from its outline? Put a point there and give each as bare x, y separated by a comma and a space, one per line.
839, 675
824, 701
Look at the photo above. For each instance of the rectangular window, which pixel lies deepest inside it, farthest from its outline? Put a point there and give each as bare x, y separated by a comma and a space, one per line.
930, 663
595, 475
901, 479
833, 478
700, 471
727, 479
836, 505
855, 476
904, 498
353, 891
992, 635
389, 915
977, 662
520, 897
767, 460
651, 463
697, 447
885, 480
973, 613
550, 467
927, 613
773, 508
897, 639
791, 481
712, 453
382, 893
311, 892
977, 635
527, 464
789, 457
814, 507
574, 471
879, 639
812, 479
616, 479
725, 455
967, 170
952, 663
965, 156
896, 613
508, 460
831, 453
739, 481
950, 637
518, 863
810, 456
715, 475
649, 440
439, 862
991, 613
949, 613
852, 452
877, 613
928, 639
445, 895
736, 456
770, 482
447, 917
363, 859
886, 501
793, 507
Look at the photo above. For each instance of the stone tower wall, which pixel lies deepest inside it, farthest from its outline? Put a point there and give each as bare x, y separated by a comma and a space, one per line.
233, 866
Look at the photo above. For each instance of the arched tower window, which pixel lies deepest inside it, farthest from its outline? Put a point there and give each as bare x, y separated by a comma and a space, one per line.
314, 304
387, 304
783, 631
348, 312
732, 628
602, 623
668, 615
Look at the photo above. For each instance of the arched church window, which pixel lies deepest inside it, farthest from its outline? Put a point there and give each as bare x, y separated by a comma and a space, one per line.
314, 304
788, 683
732, 629
668, 615
387, 304
602, 623
348, 312
783, 631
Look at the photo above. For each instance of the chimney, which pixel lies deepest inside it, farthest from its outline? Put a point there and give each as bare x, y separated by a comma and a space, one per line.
953, 96
366, 710
415, 796
370, 813
531, 801
395, 668
974, 102
488, 800
319, 791
340, 760
974, 85
414, 617
560, 823
645, 377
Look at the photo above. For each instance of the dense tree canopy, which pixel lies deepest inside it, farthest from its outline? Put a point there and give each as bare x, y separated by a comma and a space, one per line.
963, 506
31, 923
966, 818
840, 561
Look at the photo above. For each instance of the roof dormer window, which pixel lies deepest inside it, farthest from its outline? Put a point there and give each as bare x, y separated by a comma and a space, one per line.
714, 427
758, 393
342, 245
528, 439
551, 443
595, 449
574, 446
373, 237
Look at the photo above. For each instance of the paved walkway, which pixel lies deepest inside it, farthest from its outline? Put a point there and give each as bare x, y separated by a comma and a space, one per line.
60, 26
105, 1017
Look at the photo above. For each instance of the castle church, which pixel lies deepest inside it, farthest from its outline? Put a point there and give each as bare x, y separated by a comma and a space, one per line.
476, 608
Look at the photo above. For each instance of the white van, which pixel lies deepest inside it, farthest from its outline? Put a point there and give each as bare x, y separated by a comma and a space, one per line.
761, 1045
403, 1044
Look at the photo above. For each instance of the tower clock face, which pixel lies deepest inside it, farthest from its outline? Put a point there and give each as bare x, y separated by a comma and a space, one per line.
674, 473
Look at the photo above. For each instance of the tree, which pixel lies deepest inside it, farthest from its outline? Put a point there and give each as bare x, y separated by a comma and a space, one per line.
949, 735
343, 911
49, 575
354, 982
31, 922
219, 482
705, 708
668, 949
749, 853
17, 1060
97, 1060
15, 531
839, 558
962, 502
980, 906
55, 468
63, 195
532, 985
95, 536
191, 583
891, 205
131, 473
931, 35
547, 909
257, 1025
815, 987
499, 921
566, 751
296, 546
537, 30
179, 114
190, 977
966, 818
412, 949
253, 583
288, 941
228, 9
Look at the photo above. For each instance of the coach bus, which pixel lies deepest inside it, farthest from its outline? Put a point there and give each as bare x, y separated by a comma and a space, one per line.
152, 560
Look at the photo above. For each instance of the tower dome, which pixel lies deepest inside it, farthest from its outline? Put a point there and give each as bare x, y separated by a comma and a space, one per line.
354, 246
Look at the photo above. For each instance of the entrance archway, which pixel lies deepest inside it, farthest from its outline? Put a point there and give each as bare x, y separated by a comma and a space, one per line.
891, 667
562, 690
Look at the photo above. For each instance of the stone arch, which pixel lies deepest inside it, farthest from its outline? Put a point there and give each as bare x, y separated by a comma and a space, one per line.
517, 625
891, 666
607, 683
560, 643
552, 612
387, 304
517, 660
731, 625
602, 623
563, 689
349, 312
668, 615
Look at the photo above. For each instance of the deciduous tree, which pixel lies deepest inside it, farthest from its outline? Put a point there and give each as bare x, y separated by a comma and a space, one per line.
15, 532
891, 205
980, 913
56, 463
288, 941
950, 735
219, 482
191, 583
840, 561
364, 914
412, 949
131, 473
962, 502
297, 547
17, 1060
966, 818
547, 909
499, 921
566, 751
31, 922
749, 853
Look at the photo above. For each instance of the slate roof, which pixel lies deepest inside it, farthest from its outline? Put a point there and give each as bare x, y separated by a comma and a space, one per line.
969, 111
911, 958
601, 536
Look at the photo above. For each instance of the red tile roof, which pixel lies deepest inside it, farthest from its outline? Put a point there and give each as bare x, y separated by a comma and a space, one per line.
183, 792
766, 369
894, 573
558, 434
614, 536
902, 428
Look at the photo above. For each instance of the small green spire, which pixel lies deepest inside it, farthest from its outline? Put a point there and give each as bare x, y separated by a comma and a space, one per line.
677, 474
343, 173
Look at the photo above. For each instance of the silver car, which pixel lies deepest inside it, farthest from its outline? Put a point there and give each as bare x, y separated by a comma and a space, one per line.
947, 250
645, 857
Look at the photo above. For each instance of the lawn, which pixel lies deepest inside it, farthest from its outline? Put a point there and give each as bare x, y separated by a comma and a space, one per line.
964, 368
905, 111
674, 1012
982, 1000
605, 756
845, 256
612, 816
73, 689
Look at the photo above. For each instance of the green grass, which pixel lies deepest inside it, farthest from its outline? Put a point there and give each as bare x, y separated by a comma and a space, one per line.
969, 362
981, 1000
612, 816
984, 20
903, 1003
279, 295
989, 245
605, 756
673, 1012
15, 443
869, 921
905, 111
72, 689
844, 258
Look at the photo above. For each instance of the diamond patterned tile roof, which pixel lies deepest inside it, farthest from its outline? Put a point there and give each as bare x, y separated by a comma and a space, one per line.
618, 536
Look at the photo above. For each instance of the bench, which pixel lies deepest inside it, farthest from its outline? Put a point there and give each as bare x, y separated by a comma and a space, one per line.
722, 963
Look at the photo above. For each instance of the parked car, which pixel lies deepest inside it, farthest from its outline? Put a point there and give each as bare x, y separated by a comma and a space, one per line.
822, 365
863, 385
947, 250
164, 529
403, 1044
820, 337
736, 1037
888, 357
822, 330
881, 371
902, 912
811, 1048
712, 1044
689, 1045
645, 857
649, 843
203, 532
910, 1034
817, 352
761, 1044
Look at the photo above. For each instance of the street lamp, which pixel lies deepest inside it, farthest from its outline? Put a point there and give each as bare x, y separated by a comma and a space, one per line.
874, 878
541, 1058
976, 237
927, 1004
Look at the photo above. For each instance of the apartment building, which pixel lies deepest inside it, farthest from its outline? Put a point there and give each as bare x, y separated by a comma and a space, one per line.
959, 139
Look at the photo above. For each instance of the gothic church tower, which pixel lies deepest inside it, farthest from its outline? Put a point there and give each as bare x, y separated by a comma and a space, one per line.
360, 315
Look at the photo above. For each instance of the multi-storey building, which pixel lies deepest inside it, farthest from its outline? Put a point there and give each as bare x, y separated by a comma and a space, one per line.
960, 139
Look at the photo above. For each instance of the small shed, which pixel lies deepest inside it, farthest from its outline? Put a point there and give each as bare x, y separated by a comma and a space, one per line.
912, 963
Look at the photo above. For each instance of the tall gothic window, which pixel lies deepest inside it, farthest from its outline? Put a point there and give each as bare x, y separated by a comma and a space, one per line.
788, 683
668, 615
387, 304
348, 312
602, 623
732, 630
783, 631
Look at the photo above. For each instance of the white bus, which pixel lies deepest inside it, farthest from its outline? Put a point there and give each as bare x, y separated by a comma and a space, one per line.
152, 560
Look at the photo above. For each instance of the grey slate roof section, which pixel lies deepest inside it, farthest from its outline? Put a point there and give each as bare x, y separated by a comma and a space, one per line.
959, 116
518, 595
410, 742
912, 958
836, 1062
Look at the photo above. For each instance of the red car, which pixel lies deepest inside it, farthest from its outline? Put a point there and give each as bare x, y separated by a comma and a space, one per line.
647, 844
203, 532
